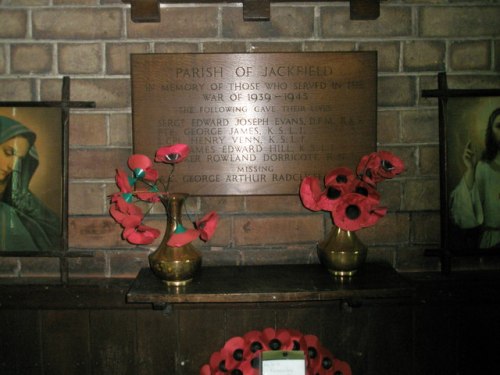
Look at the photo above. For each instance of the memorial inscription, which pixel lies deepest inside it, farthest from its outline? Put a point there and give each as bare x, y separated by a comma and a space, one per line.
256, 123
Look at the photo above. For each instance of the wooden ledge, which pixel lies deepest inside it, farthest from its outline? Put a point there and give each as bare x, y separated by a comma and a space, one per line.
273, 283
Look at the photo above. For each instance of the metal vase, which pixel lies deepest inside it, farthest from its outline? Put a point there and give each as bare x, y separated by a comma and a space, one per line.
174, 265
341, 252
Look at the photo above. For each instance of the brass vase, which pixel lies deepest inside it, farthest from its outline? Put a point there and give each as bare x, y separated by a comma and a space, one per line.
341, 252
174, 265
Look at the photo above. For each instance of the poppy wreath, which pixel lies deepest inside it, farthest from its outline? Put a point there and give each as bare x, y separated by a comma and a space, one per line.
351, 197
130, 216
241, 355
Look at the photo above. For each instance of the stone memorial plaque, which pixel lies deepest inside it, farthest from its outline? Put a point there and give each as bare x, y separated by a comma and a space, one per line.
256, 123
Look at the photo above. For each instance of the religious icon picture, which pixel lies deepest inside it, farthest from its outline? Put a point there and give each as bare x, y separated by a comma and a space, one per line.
472, 173
32, 179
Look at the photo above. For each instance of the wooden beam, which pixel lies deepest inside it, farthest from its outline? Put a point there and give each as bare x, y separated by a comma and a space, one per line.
145, 10
364, 9
256, 10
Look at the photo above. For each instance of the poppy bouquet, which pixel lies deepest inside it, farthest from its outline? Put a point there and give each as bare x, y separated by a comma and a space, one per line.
351, 197
240, 355
144, 184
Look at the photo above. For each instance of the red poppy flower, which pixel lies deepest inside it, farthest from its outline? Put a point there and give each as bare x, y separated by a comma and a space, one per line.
124, 184
127, 214
312, 351
365, 189
182, 236
232, 352
298, 340
142, 166
277, 340
254, 343
310, 193
356, 211
140, 235
325, 362
250, 366
341, 367
172, 154
390, 165
379, 166
207, 225
339, 177
217, 364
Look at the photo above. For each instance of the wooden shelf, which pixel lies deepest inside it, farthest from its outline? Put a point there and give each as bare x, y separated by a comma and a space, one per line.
273, 283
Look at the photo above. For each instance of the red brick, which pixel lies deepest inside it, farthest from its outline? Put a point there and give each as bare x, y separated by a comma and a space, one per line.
87, 130
127, 263
419, 126
77, 23
396, 91
387, 54
31, 58
118, 56
92, 266
424, 56
86, 198
277, 230
178, 22
176, 47
120, 129
421, 194
16, 89
393, 228
106, 93
14, 23
95, 232
459, 21
394, 21
286, 22
96, 163
80, 58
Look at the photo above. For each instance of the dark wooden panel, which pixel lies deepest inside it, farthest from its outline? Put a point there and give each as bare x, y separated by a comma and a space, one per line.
113, 342
66, 342
156, 342
240, 320
20, 349
436, 339
201, 332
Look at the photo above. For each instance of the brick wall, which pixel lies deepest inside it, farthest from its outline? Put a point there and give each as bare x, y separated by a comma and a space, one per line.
90, 40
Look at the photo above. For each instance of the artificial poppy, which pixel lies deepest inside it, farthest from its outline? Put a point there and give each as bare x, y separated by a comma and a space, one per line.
207, 225
254, 343
341, 367
390, 165
127, 214
277, 339
339, 177
310, 193
124, 184
379, 166
140, 235
367, 168
172, 154
233, 352
182, 236
312, 352
142, 166
355, 211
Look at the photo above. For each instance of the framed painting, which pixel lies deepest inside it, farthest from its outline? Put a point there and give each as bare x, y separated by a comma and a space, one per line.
469, 171
33, 178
